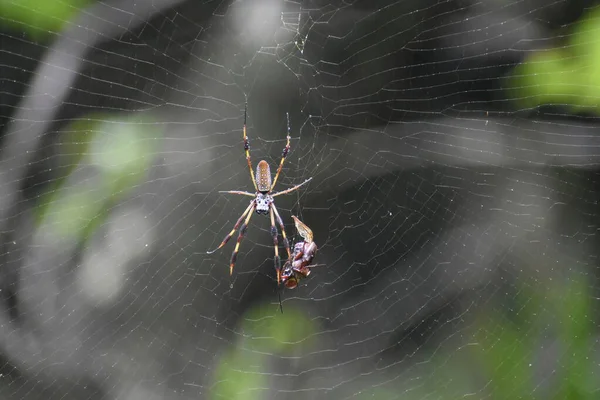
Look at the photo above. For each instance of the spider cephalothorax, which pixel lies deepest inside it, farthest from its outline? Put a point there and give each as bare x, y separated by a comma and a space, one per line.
263, 201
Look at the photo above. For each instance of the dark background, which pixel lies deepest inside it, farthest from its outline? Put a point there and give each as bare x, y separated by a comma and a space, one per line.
435, 198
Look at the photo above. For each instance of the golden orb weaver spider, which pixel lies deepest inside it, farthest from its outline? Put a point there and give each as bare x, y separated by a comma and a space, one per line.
263, 201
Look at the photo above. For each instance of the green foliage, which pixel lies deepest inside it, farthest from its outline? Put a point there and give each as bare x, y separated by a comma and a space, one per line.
240, 375
505, 353
38, 18
122, 150
506, 349
73, 212
586, 35
546, 78
118, 150
575, 330
73, 143
502, 351
568, 76
281, 333
243, 370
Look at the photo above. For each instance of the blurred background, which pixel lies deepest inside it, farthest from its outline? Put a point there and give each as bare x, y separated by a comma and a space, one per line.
454, 148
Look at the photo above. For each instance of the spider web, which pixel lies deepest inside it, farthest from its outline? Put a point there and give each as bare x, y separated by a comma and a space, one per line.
456, 223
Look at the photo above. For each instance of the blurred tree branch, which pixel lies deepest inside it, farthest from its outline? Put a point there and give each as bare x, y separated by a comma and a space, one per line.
55, 76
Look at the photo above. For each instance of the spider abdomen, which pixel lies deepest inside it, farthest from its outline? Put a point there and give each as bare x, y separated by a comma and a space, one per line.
263, 177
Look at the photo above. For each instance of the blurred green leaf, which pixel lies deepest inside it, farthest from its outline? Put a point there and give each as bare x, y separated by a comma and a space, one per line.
586, 33
568, 76
73, 211
575, 331
72, 145
39, 17
120, 149
278, 333
242, 372
239, 375
545, 78
505, 347
505, 352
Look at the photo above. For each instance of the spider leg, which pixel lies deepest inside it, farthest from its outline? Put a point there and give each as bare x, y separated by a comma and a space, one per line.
285, 152
286, 191
277, 259
238, 192
279, 293
237, 224
286, 243
243, 230
247, 147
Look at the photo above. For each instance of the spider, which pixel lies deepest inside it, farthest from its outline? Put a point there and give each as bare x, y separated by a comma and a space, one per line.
263, 201
298, 267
